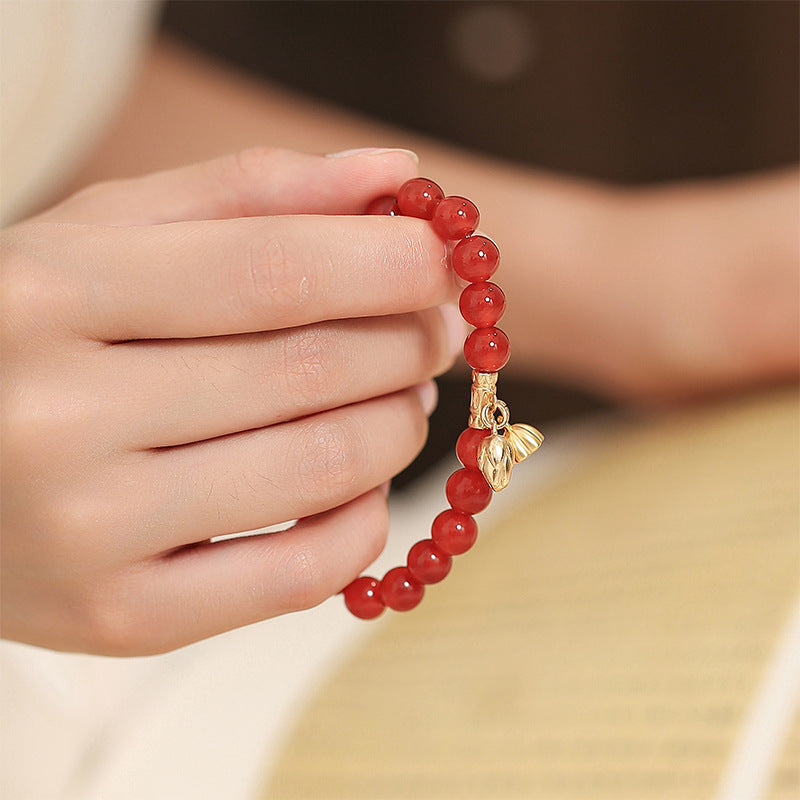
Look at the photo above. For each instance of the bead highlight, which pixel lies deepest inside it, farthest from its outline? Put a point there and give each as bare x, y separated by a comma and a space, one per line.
487, 349
482, 304
399, 590
454, 532
475, 258
455, 218
427, 563
362, 598
419, 198
468, 491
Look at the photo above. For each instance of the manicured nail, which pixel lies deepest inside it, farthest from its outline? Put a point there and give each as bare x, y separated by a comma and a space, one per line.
373, 151
455, 326
428, 396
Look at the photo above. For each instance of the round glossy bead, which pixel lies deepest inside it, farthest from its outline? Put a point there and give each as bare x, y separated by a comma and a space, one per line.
418, 198
475, 258
455, 218
487, 349
468, 491
482, 304
468, 444
427, 563
400, 591
454, 532
362, 598
383, 206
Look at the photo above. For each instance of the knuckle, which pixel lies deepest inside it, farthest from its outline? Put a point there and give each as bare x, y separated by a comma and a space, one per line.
417, 422
25, 293
419, 267
271, 279
28, 431
71, 520
333, 458
376, 531
77, 515
311, 358
44, 429
431, 344
411, 263
112, 622
305, 578
253, 163
98, 190
242, 170
19, 427
112, 632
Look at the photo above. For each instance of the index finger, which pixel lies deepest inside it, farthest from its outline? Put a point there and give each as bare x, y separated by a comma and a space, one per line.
217, 277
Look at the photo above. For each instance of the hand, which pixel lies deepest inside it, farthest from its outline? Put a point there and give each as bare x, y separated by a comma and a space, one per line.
202, 352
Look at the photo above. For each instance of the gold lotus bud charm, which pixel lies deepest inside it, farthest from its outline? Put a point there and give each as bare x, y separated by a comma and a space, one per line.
496, 460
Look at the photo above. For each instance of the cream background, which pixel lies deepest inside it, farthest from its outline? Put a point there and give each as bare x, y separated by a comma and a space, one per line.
64, 67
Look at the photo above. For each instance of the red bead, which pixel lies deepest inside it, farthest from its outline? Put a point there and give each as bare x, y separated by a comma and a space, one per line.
362, 598
383, 206
482, 304
418, 198
455, 218
427, 563
468, 444
468, 491
487, 349
400, 591
454, 532
475, 258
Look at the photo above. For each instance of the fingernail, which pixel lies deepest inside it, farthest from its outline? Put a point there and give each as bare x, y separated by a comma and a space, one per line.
455, 326
373, 151
428, 396
384, 488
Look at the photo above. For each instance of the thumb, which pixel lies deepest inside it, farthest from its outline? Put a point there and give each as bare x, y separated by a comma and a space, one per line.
256, 182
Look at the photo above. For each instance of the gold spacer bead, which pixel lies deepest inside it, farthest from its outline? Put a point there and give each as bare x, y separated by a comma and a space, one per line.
484, 393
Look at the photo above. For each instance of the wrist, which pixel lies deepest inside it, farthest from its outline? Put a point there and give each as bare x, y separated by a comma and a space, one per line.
562, 240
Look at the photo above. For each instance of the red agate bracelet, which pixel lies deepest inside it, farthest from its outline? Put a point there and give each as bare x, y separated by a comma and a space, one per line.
490, 446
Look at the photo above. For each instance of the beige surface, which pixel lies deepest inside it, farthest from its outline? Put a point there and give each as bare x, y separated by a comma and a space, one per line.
785, 784
604, 642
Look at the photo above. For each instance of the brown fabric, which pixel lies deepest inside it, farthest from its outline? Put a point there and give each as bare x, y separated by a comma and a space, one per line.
628, 91
604, 641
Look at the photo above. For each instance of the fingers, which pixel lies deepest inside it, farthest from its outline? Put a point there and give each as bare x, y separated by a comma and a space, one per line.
207, 589
180, 391
257, 182
221, 277
262, 477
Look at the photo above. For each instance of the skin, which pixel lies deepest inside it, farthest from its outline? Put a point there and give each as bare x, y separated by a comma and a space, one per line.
231, 316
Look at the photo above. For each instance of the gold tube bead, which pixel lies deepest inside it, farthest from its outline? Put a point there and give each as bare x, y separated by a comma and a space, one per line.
484, 393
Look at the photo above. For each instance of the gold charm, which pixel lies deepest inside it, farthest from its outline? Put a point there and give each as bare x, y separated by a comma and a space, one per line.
524, 440
498, 452
496, 459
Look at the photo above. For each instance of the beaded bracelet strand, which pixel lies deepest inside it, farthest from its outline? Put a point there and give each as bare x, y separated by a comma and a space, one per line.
490, 446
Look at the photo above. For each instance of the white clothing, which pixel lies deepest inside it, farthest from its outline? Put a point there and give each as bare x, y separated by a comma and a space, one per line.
64, 67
